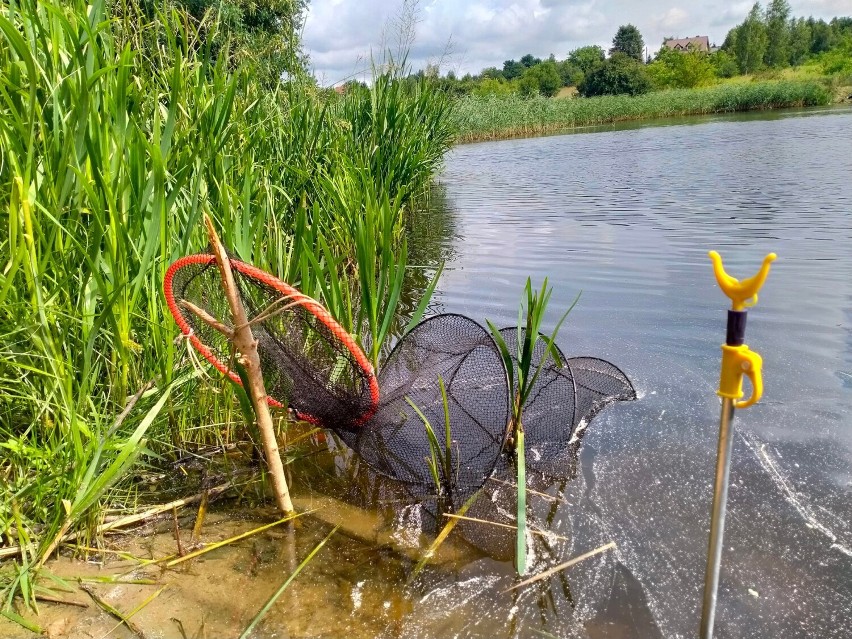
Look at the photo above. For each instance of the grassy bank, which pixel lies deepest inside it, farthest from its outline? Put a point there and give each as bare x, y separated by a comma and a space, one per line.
496, 117
117, 132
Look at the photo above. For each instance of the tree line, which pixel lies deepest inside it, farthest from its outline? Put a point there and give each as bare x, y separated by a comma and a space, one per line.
767, 40
771, 38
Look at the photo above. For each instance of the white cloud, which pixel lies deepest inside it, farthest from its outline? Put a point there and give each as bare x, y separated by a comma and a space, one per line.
340, 34
673, 19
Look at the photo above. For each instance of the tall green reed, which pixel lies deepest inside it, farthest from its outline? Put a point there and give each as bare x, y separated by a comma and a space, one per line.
117, 132
524, 367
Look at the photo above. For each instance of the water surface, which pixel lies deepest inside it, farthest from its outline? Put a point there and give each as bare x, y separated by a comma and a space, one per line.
626, 217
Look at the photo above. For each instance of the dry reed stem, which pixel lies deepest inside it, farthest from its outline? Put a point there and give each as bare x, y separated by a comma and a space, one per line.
245, 343
533, 531
544, 496
567, 564
291, 516
199, 518
128, 520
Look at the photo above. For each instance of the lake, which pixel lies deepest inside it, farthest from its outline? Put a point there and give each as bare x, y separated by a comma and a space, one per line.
626, 217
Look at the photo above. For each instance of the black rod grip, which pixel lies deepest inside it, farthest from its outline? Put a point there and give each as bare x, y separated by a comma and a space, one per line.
736, 328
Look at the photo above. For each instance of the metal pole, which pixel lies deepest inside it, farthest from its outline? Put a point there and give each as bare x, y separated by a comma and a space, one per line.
717, 518
737, 361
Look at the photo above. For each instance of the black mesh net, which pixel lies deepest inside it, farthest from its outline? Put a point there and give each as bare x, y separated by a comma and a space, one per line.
567, 394
461, 353
312, 365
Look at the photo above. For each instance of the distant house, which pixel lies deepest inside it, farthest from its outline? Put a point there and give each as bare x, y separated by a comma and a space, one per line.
698, 43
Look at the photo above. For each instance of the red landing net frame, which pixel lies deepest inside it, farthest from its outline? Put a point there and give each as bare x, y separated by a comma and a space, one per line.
309, 361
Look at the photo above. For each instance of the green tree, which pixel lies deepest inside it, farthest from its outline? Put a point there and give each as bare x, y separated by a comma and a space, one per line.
569, 73
724, 64
822, 35
492, 73
587, 58
619, 74
528, 85
628, 41
750, 41
512, 69
681, 70
493, 86
260, 33
549, 81
777, 34
529, 60
800, 41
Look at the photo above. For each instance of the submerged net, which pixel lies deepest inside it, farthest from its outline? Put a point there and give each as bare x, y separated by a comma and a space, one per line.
567, 394
457, 351
314, 366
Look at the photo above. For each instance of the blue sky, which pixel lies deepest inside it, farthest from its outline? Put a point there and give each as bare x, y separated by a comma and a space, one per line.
468, 35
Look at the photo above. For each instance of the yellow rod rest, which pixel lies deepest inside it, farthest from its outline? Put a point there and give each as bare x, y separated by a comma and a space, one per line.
742, 293
736, 362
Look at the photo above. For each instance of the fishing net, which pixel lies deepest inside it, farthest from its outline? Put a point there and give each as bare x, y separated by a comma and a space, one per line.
445, 376
459, 352
309, 362
566, 395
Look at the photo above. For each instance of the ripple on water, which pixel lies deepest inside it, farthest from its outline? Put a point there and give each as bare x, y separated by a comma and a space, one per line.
627, 217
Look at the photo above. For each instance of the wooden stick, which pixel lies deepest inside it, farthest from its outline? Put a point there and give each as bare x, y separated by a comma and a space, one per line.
567, 564
247, 346
177, 532
57, 600
208, 319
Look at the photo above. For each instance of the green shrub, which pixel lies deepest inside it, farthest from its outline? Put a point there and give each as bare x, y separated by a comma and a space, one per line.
681, 69
618, 75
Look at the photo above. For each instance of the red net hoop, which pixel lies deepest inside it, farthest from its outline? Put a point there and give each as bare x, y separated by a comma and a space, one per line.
309, 361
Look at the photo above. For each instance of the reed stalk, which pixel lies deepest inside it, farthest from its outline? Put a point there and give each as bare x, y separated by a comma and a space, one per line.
523, 371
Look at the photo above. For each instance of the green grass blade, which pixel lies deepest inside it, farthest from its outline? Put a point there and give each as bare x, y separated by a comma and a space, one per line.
286, 583
434, 447
424, 300
18, 619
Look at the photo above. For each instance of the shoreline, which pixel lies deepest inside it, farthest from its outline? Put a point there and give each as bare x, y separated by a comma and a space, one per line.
513, 118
